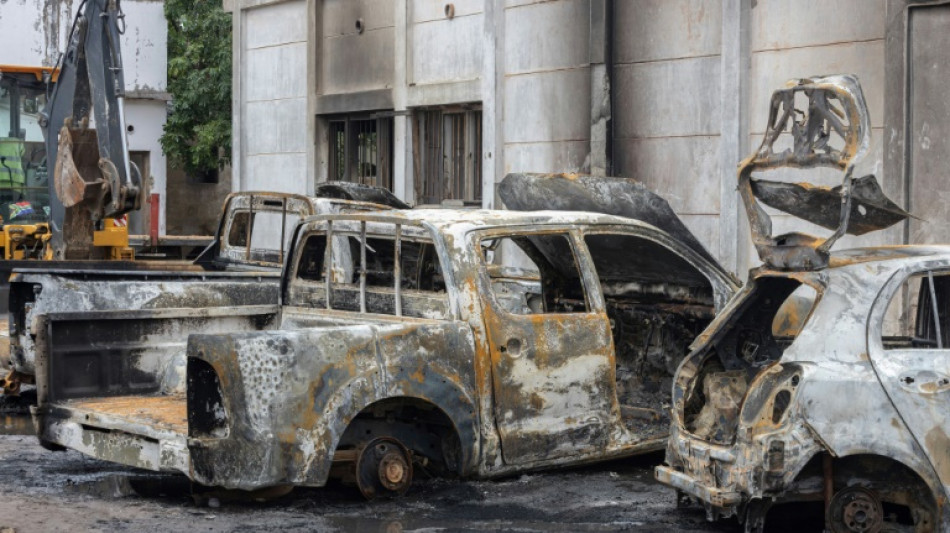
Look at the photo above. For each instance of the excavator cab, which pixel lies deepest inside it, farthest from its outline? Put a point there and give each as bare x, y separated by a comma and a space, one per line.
24, 173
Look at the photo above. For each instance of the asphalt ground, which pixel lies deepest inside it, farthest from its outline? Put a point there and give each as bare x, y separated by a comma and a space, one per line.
42, 490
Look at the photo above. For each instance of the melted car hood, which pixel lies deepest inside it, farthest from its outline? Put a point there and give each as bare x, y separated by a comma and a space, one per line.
612, 196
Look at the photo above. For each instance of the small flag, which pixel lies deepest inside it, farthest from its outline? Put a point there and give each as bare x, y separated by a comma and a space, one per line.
20, 209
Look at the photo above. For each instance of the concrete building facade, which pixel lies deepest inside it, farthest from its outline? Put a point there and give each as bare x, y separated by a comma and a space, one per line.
439, 100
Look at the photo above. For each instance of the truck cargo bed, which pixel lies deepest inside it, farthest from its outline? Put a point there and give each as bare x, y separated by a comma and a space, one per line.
160, 413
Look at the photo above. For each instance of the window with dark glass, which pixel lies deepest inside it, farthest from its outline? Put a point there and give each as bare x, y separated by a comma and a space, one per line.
447, 155
361, 150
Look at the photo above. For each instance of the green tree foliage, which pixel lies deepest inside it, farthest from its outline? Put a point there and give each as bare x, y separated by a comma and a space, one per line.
198, 132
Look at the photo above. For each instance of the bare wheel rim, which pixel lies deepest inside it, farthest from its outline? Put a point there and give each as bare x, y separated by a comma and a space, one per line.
855, 510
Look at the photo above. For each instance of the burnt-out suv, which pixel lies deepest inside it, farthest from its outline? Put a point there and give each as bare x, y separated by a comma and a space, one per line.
827, 378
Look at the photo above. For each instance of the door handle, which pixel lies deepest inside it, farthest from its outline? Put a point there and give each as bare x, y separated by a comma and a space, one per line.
925, 381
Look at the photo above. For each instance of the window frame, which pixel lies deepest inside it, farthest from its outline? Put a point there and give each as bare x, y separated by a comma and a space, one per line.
592, 295
899, 280
398, 236
432, 182
384, 148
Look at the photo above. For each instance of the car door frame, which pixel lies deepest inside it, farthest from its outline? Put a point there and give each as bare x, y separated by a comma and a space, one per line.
910, 377
572, 436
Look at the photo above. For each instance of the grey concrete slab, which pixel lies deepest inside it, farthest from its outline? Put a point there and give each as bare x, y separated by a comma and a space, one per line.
340, 16
276, 72
547, 106
275, 126
563, 156
546, 36
357, 62
706, 230
277, 172
651, 30
667, 98
436, 94
770, 70
445, 50
426, 10
684, 170
276, 24
779, 24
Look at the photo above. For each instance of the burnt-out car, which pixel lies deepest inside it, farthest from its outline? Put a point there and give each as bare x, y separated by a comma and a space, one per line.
480, 343
827, 378
802, 389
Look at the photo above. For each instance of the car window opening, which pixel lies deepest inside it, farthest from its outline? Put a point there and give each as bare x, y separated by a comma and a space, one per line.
534, 274
918, 315
385, 274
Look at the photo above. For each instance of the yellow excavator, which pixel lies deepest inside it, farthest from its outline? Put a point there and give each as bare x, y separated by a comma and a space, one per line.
27, 193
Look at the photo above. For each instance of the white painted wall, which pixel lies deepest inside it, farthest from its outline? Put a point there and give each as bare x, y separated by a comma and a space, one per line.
144, 47
146, 118
34, 32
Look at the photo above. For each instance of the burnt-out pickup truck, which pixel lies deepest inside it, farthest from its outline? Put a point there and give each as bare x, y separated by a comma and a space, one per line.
473, 343
241, 266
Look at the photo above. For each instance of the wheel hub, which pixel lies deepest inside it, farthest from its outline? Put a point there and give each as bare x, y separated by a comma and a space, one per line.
384, 468
856, 510
393, 470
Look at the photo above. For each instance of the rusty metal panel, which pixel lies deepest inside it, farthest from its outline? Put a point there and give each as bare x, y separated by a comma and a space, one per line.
814, 122
126, 352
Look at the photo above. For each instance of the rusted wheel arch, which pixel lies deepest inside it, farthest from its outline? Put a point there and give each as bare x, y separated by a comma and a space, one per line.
870, 476
397, 416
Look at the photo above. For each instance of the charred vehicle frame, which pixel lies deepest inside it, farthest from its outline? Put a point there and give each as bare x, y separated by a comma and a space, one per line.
800, 390
478, 343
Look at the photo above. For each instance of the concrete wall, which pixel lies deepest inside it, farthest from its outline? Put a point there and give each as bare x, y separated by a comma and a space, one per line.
145, 58
442, 50
670, 92
666, 102
357, 46
547, 86
270, 98
34, 32
692, 81
795, 39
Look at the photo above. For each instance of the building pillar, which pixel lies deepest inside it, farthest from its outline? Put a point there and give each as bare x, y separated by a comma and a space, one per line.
403, 183
734, 144
600, 103
237, 99
493, 100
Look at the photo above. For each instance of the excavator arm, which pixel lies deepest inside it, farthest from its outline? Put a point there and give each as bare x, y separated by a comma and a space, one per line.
84, 126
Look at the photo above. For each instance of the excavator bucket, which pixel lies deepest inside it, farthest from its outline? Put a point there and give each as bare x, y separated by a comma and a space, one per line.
78, 178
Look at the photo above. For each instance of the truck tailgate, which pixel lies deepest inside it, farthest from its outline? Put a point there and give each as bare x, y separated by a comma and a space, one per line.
148, 432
